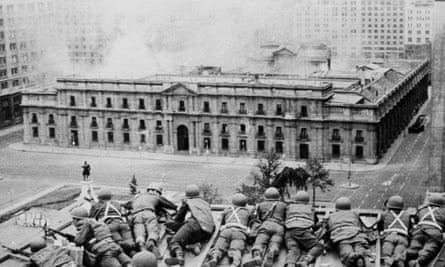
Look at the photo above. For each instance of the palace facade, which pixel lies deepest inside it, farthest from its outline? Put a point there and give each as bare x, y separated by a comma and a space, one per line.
230, 114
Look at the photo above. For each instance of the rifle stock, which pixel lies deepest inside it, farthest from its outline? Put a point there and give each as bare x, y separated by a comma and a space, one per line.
69, 237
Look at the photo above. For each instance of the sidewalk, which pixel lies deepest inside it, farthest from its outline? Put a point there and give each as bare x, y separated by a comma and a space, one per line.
12, 129
214, 160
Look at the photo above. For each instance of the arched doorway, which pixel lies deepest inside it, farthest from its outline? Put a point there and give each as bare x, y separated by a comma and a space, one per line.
183, 138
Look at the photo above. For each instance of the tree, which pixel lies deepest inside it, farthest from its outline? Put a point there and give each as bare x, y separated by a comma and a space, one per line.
291, 178
318, 177
210, 193
263, 175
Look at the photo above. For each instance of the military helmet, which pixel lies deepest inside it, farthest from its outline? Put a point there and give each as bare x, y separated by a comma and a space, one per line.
144, 259
395, 202
156, 187
435, 199
239, 200
343, 203
104, 195
37, 245
192, 191
79, 213
272, 193
301, 197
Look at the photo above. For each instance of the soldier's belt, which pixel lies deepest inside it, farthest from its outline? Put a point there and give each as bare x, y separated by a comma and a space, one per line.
431, 224
141, 210
275, 220
108, 218
395, 230
235, 225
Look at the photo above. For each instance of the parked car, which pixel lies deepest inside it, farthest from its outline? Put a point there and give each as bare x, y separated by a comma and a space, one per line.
418, 125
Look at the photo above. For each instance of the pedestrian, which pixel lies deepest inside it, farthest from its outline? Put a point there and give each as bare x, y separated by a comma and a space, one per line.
86, 168
345, 229
427, 235
198, 227
395, 225
271, 213
233, 233
299, 237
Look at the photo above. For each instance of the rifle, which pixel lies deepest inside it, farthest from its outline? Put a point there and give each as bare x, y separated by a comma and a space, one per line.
69, 237
15, 251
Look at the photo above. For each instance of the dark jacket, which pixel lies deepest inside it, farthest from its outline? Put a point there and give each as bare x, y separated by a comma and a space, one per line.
274, 210
200, 211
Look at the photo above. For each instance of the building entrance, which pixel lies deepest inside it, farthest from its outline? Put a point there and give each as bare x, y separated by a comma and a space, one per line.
183, 138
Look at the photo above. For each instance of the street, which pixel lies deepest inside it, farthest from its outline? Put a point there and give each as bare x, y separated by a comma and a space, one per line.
25, 173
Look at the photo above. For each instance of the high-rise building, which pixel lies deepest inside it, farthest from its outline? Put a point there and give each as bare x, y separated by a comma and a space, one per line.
418, 28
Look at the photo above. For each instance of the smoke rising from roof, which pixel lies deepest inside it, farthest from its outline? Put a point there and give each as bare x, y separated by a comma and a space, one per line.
153, 36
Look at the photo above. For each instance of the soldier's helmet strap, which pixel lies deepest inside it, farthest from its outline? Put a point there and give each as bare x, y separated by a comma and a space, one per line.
397, 219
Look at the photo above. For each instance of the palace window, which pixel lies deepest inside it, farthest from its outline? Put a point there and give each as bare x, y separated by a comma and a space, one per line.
108, 104
158, 125
207, 143
224, 107
93, 122
224, 129
206, 107
359, 152
94, 136
110, 137
279, 147
159, 140
303, 111
93, 102
35, 131
335, 151
260, 110
303, 133
260, 145
141, 103
126, 138
336, 135
260, 130
52, 132
279, 110
158, 105
125, 103
51, 119
242, 129
242, 108
181, 105
225, 144
279, 132
359, 136
73, 122
72, 101
34, 118
142, 125
125, 125
109, 123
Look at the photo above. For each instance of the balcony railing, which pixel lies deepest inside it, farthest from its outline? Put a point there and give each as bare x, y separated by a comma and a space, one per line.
304, 137
242, 111
224, 111
359, 139
260, 112
206, 132
261, 135
279, 136
336, 138
73, 125
225, 133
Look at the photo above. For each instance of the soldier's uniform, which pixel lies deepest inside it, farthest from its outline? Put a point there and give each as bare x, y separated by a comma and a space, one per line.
394, 224
271, 213
346, 234
197, 228
49, 256
427, 235
109, 212
233, 232
300, 222
95, 237
144, 218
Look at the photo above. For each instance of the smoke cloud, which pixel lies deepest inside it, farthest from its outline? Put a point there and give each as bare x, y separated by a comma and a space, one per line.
144, 37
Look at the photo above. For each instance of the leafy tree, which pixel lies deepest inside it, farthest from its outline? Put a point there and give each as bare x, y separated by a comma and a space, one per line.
210, 193
263, 175
318, 176
291, 178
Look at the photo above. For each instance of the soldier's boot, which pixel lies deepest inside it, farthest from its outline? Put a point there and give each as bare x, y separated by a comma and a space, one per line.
140, 245
178, 259
360, 261
305, 261
151, 246
236, 257
212, 262
255, 261
270, 256
196, 248
413, 263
